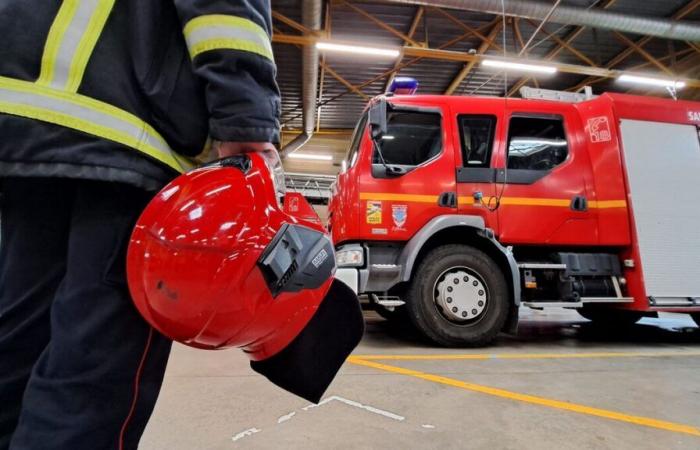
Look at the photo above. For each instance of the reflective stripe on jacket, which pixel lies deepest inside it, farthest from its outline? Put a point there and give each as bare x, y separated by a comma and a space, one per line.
130, 90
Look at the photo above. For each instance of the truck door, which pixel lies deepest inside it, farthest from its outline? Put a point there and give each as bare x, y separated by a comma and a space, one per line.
396, 204
545, 199
343, 216
476, 143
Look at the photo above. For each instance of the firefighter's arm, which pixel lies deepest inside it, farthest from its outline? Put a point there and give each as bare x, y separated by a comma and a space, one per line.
230, 48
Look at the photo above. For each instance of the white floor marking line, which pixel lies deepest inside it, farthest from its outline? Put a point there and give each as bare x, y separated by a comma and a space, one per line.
248, 432
286, 417
355, 404
428, 426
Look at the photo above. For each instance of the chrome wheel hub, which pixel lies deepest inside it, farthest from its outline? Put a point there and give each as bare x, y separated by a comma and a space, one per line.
461, 294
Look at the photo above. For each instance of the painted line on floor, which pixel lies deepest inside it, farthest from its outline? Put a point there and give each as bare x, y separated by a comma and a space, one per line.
486, 356
515, 396
245, 433
372, 409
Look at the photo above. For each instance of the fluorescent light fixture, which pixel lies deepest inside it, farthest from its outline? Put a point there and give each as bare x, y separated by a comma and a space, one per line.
518, 66
660, 82
311, 156
357, 49
388, 137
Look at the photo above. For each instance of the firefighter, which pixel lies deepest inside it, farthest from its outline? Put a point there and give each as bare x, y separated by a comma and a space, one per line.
102, 102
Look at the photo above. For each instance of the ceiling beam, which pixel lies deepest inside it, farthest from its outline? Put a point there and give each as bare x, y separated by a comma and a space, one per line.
681, 13
467, 68
565, 45
292, 23
569, 39
694, 46
389, 72
645, 54
420, 12
448, 55
344, 82
407, 39
467, 28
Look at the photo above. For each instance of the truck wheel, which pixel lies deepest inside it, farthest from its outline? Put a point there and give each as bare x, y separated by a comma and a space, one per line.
458, 297
609, 318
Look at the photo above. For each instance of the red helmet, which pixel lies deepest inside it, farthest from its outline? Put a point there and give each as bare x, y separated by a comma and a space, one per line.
215, 262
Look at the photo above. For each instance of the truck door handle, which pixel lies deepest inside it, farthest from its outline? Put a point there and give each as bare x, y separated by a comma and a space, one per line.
447, 200
579, 203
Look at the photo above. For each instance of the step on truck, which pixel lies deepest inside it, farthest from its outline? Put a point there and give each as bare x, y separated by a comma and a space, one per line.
453, 212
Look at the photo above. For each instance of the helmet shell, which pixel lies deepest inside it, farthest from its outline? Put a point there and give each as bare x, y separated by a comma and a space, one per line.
193, 263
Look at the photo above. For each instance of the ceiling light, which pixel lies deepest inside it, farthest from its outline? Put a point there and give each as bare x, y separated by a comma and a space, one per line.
518, 66
651, 81
311, 156
357, 49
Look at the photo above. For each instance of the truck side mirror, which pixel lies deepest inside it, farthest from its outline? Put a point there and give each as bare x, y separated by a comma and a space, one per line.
377, 119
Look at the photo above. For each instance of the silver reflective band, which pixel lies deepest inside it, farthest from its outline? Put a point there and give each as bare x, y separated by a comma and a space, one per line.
71, 40
214, 32
81, 113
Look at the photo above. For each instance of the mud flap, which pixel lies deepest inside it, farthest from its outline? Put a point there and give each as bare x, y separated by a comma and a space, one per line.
307, 366
511, 325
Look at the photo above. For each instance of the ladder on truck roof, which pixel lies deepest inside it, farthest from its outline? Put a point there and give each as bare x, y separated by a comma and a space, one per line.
557, 96
316, 188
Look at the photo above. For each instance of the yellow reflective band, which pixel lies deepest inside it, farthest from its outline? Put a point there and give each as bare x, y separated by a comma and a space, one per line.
71, 41
607, 204
219, 31
85, 114
53, 41
386, 196
551, 202
509, 201
87, 44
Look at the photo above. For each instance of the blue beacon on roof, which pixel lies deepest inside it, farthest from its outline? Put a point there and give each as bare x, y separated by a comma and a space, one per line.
404, 86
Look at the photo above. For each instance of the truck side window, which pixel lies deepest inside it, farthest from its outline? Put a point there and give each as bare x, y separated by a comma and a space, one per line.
412, 138
536, 143
351, 159
477, 139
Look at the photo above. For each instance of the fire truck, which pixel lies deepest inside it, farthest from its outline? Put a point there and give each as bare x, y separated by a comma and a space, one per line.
453, 212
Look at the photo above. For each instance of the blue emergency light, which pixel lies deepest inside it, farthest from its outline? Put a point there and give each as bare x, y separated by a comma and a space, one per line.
404, 86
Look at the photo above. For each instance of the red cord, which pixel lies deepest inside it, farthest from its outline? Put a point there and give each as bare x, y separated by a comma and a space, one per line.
137, 379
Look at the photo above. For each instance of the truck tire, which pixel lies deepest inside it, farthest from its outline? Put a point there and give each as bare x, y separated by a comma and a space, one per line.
610, 318
458, 297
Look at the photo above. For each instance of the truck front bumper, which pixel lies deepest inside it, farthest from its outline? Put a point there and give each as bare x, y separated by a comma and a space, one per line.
349, 276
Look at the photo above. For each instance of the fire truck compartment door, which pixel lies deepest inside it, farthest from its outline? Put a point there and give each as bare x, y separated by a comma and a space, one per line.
663, 171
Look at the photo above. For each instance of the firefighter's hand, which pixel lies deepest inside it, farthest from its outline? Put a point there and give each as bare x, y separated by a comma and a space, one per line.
225, 149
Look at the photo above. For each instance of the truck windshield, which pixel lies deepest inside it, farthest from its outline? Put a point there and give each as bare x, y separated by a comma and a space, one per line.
351, 157
412, 138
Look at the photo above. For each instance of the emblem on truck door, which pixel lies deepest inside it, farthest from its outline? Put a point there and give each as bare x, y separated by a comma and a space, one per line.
374, 212
399, 213
599, 129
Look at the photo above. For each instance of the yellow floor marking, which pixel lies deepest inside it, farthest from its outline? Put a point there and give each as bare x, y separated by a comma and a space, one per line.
486, 356
556, 404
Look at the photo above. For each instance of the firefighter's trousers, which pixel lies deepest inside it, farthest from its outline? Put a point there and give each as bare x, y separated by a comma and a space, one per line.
79, 368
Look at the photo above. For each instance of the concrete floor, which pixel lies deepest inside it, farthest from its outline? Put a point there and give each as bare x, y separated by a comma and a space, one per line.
639, 390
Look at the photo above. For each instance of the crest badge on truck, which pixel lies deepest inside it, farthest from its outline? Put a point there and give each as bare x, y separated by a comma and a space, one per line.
400, 214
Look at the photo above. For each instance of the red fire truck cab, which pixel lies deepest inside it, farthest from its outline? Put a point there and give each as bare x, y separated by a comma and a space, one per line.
452, 212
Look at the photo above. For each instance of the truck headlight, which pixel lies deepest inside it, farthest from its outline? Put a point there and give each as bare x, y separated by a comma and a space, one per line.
350, 257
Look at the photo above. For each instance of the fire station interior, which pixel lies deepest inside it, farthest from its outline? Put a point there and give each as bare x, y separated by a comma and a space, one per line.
511, 189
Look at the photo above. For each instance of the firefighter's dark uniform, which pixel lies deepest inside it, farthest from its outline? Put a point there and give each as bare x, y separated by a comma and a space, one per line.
101, 103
